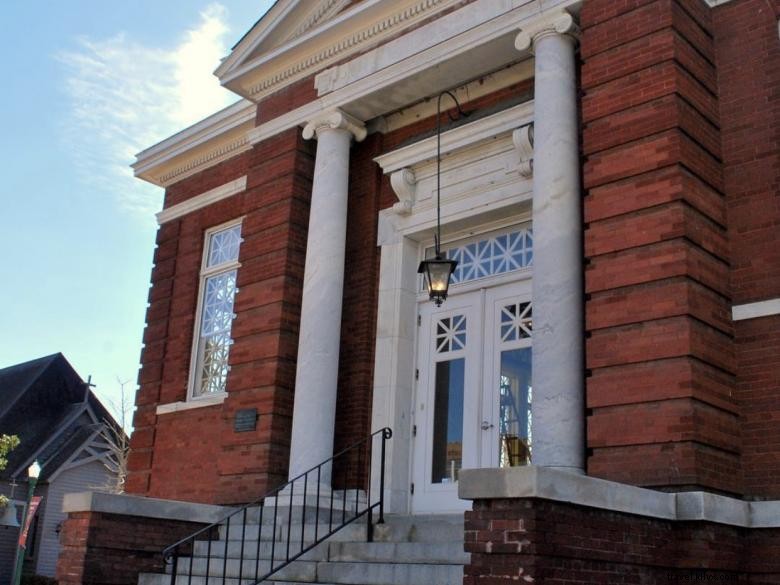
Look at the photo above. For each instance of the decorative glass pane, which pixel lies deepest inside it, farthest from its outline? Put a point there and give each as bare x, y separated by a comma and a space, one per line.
214, 363
514, 423
451, 333
491, 256
516, 322
447, 454
220, 290
223, 246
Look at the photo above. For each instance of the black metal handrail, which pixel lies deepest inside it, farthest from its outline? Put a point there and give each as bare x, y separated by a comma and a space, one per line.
342, 464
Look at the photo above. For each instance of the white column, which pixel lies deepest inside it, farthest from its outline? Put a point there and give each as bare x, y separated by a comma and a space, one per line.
314, 410
558, 369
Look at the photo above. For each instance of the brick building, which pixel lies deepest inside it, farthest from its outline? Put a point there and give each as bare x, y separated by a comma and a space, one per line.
612, 196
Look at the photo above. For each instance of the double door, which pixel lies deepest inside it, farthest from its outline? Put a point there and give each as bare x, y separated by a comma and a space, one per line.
473, 394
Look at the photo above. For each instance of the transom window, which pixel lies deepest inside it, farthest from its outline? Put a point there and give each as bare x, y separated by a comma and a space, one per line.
215, 310
490, 255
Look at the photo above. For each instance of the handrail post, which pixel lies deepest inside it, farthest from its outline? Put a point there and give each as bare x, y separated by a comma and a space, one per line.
382, 477
175, 567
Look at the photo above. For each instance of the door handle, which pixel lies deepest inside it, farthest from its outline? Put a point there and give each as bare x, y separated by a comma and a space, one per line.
486, 425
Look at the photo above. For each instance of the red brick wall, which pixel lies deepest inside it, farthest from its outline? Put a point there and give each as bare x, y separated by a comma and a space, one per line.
660, 350
748, 58
529, 540
196, 455
112, 549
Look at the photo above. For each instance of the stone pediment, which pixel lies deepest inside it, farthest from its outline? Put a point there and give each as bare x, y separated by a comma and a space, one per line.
298, 38
286, 20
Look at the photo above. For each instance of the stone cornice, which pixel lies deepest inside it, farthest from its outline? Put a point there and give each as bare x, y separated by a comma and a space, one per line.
218, 137
353, 31
335, 120
457, 138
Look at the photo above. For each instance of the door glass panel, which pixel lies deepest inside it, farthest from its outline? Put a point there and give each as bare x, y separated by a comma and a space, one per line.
448, 421
515, 407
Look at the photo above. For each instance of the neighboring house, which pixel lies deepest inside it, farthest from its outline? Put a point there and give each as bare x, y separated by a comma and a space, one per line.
62, 425
612, 201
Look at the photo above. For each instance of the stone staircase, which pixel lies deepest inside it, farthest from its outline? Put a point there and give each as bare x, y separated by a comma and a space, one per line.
407, 550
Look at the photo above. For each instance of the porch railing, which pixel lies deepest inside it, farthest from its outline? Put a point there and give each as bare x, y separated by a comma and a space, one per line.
333, 509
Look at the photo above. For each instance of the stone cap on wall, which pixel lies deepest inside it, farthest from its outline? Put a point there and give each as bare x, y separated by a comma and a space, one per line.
565, 486
140, 506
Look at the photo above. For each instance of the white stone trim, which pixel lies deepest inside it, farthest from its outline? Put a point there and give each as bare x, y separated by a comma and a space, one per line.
714, 3
754, 310
524, 143
204, 199
127, 505
457, 138
560, 23
562, 486
472, 26
348, 33
335, 120
210, 141
200, 402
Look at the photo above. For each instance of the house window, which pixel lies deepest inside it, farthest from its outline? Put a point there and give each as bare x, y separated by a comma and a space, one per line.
215, 310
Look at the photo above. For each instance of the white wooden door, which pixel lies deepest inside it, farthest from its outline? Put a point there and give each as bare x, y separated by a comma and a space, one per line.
472, 400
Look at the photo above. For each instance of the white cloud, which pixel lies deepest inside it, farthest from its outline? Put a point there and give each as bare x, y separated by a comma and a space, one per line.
124, 96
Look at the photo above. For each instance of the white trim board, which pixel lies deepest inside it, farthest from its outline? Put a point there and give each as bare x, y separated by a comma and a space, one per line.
204, 199
754, 310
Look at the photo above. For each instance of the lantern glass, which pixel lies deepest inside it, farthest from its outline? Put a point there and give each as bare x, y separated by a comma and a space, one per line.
437, 272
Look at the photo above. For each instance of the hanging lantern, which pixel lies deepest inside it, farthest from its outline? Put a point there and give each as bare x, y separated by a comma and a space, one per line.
437, 272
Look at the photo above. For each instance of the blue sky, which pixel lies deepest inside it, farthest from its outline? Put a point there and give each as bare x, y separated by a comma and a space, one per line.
86, 85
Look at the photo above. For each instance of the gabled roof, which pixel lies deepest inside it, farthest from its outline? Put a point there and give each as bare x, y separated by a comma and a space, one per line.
296, 39
285, 20
47, 405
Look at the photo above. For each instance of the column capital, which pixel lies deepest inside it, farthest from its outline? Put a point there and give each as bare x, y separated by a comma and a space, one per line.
558, 23
334, 120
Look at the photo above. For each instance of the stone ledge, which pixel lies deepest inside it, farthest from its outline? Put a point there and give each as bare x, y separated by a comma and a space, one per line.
139, 506
564, 486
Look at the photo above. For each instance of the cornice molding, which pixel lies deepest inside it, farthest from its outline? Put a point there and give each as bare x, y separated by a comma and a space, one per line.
217, 138
325, 9
457, 138
315, 50
335, 120
202, 200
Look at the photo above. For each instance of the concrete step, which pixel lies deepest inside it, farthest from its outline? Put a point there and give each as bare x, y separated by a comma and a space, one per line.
305, 571
395, 529
399, 573
355, 531
399, 552
251, 550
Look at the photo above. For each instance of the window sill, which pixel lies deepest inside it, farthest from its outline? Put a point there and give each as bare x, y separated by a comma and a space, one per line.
190, 404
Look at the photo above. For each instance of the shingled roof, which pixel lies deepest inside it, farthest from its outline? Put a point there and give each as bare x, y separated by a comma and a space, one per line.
51, 409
